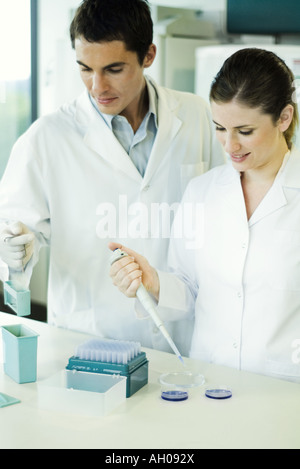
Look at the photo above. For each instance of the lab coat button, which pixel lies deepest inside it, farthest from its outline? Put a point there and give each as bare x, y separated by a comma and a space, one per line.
235, 345
239, 294
146, 188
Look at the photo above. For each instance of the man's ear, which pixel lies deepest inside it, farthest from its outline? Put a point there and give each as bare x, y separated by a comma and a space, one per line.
150, 56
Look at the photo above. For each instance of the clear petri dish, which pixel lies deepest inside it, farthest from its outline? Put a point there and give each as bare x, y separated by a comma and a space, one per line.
181, 380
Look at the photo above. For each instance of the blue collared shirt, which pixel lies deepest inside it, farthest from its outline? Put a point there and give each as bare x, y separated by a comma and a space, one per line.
138, 145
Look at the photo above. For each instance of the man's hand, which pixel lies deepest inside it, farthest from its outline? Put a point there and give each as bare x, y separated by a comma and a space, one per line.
16, 245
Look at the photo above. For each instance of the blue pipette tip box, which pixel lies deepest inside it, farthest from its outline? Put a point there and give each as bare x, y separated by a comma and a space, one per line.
136, 370
18, 301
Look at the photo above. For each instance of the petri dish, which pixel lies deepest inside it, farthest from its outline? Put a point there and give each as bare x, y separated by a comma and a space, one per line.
175, 395
181, 380
218, 393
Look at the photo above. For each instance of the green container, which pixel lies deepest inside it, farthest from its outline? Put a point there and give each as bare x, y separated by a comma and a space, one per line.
18, 301
20, 353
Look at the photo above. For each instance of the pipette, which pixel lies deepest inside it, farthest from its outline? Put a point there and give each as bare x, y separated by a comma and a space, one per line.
149, 306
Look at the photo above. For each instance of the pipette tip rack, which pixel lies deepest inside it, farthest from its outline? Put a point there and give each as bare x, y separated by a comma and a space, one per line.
112, 357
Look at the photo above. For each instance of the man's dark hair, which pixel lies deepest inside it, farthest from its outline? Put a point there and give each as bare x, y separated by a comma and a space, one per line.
128, 21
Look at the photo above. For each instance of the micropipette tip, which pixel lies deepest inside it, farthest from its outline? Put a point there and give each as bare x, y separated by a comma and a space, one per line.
181, 359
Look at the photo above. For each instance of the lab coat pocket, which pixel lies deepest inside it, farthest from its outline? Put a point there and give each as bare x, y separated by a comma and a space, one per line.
190, 171
285, 261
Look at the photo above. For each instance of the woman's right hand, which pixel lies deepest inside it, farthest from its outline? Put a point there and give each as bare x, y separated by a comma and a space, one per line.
129, 272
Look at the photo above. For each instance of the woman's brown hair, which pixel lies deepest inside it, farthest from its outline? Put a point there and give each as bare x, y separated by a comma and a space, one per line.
258, 79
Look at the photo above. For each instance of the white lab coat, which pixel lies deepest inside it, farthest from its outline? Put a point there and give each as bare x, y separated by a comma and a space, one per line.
243, 282
63, 179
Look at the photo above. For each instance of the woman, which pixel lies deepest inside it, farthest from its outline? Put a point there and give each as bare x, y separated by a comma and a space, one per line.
242, 283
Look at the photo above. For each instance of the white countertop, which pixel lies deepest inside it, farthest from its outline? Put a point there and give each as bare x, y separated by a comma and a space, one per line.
263, 412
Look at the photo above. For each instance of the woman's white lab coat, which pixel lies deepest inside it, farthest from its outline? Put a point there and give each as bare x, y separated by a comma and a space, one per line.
71, 182
244, 279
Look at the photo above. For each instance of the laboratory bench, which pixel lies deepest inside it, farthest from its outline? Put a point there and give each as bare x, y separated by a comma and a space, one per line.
262, 412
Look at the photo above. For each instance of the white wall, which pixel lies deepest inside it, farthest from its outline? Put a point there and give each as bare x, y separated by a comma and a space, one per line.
55, 54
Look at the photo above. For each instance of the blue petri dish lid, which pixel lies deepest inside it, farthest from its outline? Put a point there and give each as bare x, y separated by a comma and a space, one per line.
175, 395
218, 393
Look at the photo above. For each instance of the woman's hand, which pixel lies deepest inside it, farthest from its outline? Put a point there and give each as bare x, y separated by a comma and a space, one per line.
129, 272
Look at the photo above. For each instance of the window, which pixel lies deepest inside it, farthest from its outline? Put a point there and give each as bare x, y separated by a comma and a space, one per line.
17, 72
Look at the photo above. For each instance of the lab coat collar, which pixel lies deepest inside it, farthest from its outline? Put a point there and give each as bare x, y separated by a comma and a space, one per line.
231, 193
228, 175
273, 200
288, 177
100, 138
168, 127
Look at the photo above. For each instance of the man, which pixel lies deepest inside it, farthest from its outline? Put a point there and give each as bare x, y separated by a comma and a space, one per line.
110, 166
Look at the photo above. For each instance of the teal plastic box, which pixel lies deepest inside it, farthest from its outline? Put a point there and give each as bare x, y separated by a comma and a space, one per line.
136, 370
20, 353
18, 301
